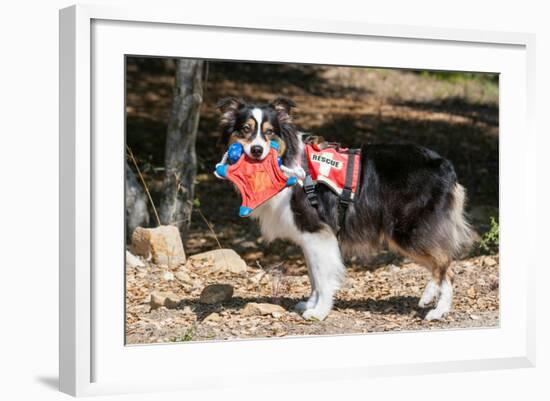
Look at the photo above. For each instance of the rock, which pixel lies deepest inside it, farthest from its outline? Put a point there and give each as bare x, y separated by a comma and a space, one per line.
171, 301
216, 293
168, 276
141, 273
393, 268
258, 277
196, 284
489, 261
276, 315
157, 300
212, 318
133, 261
221, 260
184, 277
166, 299
162, 243
471, 292
279, 331
253, 308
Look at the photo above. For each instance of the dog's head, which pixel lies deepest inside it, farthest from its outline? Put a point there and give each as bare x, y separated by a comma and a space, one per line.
254, 126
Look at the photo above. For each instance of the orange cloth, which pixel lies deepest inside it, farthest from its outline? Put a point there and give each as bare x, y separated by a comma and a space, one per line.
256, 180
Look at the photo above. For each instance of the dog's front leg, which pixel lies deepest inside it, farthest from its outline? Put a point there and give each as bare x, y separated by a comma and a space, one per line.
301, 307
326, 272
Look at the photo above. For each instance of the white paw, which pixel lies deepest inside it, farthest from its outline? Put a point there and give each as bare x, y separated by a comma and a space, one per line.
444, 302
425, 300
315, 314
430, 294
435, 314
300, 307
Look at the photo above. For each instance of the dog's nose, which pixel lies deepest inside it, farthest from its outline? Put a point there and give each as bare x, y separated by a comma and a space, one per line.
256, 151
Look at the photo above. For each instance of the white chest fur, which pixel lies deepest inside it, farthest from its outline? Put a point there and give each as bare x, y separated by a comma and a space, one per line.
276, 218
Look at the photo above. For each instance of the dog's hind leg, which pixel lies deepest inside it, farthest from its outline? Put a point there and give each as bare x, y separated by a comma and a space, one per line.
326, 272
456, 235
440, 286
431, 292
443, 276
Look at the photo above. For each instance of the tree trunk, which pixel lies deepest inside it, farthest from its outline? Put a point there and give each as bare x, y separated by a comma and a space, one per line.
180, 158
137, 214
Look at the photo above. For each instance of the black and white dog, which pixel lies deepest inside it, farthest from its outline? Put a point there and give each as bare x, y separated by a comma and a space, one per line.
408, 199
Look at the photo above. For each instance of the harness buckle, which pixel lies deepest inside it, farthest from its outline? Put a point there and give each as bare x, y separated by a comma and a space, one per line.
309, 189
345, 197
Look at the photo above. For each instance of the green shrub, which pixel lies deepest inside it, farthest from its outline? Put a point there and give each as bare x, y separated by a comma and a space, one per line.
187, 336
489, 241
461, 77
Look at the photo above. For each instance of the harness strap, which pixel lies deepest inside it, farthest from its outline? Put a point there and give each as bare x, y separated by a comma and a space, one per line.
308, 184
345, 197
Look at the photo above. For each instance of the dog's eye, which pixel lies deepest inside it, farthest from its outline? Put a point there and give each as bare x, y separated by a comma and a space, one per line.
269, 132
245, 129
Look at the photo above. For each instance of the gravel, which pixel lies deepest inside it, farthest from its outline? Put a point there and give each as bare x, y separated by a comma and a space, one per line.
379, 300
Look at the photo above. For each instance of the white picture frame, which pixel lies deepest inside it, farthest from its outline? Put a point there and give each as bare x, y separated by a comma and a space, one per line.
93, 357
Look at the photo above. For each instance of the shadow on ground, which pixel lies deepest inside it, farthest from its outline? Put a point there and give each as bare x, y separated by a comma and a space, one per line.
402, 305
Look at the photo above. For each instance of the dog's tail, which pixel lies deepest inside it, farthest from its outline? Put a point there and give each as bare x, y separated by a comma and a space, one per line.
463, 235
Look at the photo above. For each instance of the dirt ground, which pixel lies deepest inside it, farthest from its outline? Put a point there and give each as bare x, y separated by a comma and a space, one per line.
455, 115
384, 299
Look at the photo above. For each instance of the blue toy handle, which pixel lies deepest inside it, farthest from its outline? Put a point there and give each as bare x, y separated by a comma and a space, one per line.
221, 170
235, 152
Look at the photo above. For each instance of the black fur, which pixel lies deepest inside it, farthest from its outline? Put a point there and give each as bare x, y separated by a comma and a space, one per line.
404, 192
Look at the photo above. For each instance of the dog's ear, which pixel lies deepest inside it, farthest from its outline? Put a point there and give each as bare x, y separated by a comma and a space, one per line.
228, 106
283, 105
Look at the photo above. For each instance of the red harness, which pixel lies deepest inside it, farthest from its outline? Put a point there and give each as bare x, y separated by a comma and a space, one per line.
336, 167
